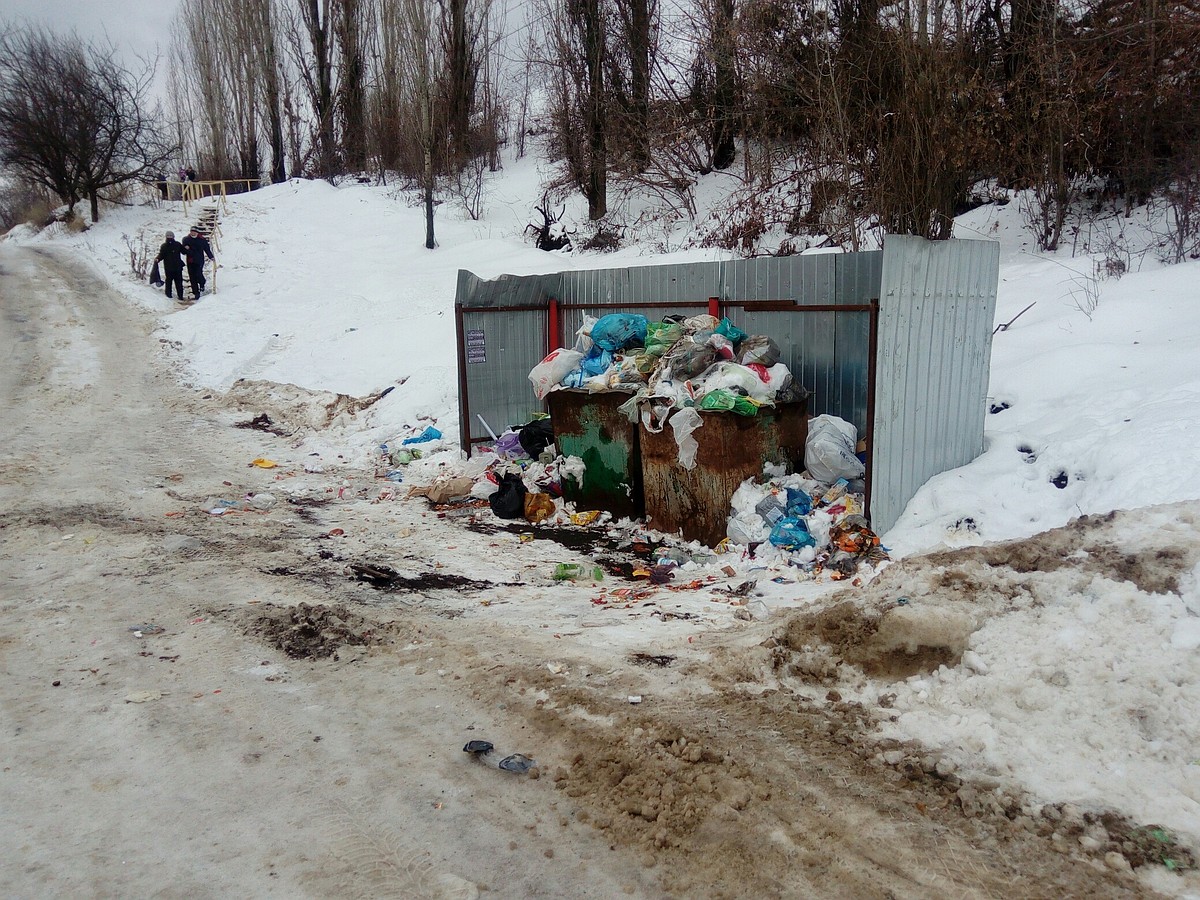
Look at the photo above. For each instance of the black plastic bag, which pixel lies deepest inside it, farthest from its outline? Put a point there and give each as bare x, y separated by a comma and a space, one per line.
536, 437
508, 502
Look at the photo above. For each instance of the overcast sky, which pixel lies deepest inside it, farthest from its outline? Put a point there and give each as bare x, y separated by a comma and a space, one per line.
133, 26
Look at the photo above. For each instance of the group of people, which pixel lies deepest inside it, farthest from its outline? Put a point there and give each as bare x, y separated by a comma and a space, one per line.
172, 255
185, 173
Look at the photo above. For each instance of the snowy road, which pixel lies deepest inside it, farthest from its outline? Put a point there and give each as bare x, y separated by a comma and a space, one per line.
193, 757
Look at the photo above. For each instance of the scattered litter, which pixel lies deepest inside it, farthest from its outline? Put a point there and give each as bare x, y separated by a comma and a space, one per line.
146, 630
635, 699
264, 463
518, 762
740, 590
478, 748
429, 434
573, 571
143, 696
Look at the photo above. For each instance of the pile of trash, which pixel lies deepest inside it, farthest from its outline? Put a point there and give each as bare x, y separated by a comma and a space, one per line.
679, 362
815, 517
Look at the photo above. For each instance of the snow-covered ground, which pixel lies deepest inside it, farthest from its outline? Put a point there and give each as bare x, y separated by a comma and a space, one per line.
1086, 691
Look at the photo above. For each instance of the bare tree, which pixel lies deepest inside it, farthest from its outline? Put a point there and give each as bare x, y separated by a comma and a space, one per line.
631, 62
420, 68
73, 119
349, 29
312, 53
575, 59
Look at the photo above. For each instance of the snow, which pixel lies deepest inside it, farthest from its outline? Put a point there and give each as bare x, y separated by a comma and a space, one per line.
1085, 689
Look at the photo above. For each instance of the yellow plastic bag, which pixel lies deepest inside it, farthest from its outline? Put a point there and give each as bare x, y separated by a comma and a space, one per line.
538, 507
264, 463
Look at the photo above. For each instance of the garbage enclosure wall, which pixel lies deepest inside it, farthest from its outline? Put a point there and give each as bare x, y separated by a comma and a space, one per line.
914, 383
932, 365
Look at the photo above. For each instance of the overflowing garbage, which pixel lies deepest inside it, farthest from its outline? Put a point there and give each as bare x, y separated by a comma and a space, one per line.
680, 362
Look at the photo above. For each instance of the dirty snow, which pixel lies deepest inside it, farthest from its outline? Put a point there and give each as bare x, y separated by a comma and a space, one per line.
1085, 691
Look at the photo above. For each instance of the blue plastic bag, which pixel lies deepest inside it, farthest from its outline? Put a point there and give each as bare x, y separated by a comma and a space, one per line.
597, 362
730, 331
429, 434
799, 503
791, 534
619, 330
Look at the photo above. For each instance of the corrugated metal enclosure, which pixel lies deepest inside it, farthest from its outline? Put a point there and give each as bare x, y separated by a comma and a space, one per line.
896, 341
937, 312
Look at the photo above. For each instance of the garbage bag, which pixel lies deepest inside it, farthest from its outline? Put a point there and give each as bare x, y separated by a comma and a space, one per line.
799, 503
722, 344
597, 362
509, 445
619, 330
538, 507
745, 406
660, 336
758, 348
791, 534
508, 502
429, 434
583, 337
536, 437
829, 450
689, 359
719, 400
683, 423
731, 331
551, 370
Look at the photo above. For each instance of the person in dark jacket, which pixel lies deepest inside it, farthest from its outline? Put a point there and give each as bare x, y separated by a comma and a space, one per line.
170, 254
196, 246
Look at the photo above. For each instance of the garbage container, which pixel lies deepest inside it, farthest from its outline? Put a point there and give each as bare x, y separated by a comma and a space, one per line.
731, 448
590, 426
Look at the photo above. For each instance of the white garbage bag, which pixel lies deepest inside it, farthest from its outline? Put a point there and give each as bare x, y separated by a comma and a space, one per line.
551, 370
829, 450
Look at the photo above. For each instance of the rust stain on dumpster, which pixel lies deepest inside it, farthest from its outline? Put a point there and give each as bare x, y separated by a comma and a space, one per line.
590, 426
731, 448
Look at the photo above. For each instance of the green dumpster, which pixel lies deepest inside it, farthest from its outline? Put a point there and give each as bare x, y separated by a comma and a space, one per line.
591, 427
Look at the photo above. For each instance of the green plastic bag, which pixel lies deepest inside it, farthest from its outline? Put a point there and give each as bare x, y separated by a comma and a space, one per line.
744, 406
718, 400
730, 331
660, 336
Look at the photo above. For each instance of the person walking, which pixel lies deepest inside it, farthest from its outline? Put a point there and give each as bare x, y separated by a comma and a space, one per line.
196, 246
170, 254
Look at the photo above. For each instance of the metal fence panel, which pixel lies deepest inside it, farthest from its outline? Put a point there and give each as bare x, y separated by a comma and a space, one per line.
639, 285
501, 346
828, 352
505, 291
934, 353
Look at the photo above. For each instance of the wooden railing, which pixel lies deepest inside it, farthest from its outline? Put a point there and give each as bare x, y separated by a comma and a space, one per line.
194, 191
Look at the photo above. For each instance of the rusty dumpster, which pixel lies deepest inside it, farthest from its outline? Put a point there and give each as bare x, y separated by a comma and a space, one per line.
591, 427
731, 448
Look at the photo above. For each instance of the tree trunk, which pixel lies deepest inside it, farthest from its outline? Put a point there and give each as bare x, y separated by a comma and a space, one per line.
597, 125
725, 91
430, 243
349, 32
461, 88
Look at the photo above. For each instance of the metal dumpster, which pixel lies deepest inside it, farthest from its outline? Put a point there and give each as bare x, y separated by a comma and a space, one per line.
731, 448
589, 425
